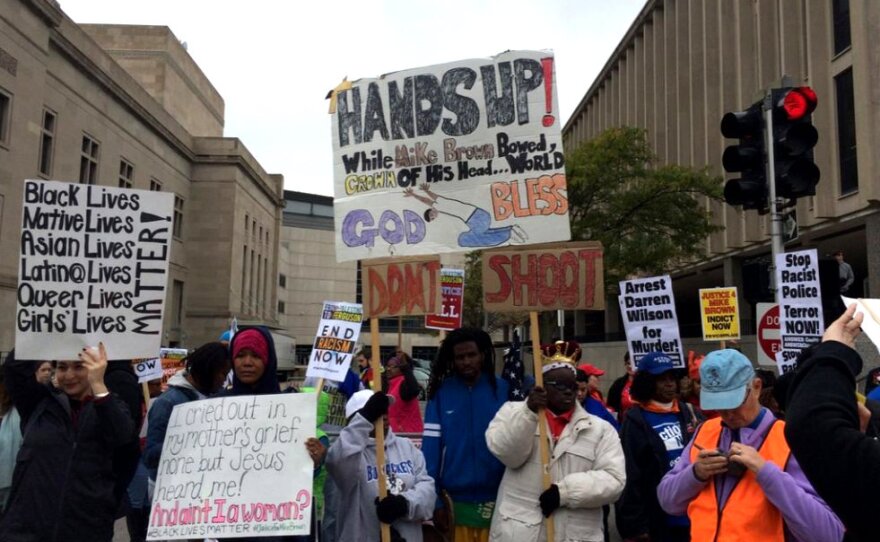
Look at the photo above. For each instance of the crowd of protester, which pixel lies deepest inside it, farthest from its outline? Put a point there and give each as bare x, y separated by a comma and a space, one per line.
715, 450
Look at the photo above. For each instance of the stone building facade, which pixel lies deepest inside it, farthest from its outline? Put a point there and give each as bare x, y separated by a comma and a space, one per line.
684, 63
119, 105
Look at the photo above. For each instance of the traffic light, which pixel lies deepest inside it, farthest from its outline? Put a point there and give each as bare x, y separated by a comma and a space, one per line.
794, 137
746, 158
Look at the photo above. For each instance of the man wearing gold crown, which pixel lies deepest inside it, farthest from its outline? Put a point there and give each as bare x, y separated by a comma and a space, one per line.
586, 461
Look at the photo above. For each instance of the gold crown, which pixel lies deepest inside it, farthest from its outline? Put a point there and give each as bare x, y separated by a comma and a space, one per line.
560, 352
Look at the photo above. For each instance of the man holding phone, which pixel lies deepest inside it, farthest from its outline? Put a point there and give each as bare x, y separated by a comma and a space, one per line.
737, 478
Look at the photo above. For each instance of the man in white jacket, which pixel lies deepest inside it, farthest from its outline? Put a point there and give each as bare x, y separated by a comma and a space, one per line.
586, 463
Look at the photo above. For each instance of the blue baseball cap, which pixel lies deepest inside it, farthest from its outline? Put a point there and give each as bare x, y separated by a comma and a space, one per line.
655, 363
724, 377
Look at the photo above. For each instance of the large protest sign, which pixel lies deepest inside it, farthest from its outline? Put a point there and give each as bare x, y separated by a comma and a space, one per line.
454, 157
94, 266
337, 335
719, 312
800, 305
649, 318
554, 276
234, 467
401, 287
451, 303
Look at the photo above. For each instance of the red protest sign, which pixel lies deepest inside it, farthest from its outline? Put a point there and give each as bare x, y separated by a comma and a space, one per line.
544, 277
452, 299
401, 287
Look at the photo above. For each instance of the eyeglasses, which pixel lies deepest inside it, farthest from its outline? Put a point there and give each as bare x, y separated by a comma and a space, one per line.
561, 386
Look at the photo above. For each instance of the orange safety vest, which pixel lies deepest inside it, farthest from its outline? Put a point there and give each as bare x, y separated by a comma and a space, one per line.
747, 514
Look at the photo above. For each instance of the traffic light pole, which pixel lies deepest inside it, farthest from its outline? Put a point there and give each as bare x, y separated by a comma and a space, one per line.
775, 215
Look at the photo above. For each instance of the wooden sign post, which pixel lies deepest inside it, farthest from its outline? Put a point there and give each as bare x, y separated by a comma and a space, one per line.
542, 415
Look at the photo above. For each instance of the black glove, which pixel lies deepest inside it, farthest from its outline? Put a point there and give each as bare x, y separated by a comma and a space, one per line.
376, 406
395, 536
391, 508
549, 500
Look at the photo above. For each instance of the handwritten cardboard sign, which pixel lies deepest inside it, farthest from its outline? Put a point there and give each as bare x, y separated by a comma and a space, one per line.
401, 287
222, 464
452, 293
337, 335
548, 277
93, 267
720, 314
647, 306
460, 156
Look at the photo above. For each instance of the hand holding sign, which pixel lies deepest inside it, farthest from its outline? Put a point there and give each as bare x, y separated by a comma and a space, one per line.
846, 328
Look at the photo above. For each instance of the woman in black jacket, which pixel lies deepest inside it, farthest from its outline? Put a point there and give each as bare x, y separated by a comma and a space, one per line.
62, 487
654, 433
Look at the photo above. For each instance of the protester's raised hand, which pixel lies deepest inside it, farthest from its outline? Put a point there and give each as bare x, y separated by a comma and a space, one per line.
846, 328
537, 399
95, 362
316, 450
376, 406
709, 463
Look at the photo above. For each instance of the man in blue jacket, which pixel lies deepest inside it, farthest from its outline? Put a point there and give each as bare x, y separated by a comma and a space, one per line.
463, 397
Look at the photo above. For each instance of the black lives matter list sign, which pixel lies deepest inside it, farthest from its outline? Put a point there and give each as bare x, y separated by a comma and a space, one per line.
93, 267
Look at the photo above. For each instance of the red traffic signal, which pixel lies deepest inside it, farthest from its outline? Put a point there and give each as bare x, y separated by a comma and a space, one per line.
797, 103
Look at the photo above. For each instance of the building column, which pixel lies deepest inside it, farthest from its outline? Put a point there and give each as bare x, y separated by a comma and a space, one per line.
733, 277
872, 254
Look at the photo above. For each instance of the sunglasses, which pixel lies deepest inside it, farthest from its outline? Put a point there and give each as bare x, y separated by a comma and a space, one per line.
560, 385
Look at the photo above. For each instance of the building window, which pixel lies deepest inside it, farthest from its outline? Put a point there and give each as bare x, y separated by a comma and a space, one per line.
282, 281
47, 142
155, 185
846, 132
177, 295
840, 19
88, 161
178, 217
281, 307
5, 115
126, 172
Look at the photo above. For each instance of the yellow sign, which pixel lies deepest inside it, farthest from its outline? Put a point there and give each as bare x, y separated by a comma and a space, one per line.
720, 314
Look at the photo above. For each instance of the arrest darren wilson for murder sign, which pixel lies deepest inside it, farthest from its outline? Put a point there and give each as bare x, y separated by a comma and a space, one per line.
234, 467
649, 318
93, 267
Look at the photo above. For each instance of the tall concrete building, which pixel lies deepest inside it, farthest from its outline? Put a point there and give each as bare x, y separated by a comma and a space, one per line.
684, 63
126, 106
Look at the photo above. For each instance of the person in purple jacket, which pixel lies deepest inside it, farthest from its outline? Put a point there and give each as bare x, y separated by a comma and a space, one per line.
737, 479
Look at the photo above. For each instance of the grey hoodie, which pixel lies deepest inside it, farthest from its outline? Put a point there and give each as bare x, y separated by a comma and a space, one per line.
351, 462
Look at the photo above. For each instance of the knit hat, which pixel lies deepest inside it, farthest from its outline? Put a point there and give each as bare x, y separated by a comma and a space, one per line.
254, 341
358, 400
724, 377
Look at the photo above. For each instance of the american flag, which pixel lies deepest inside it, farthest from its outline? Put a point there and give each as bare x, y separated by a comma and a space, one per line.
514, 372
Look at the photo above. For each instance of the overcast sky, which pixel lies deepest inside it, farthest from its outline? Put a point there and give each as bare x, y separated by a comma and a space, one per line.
273, 61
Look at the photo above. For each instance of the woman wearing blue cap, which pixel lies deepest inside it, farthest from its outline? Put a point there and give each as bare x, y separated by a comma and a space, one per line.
654, 433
